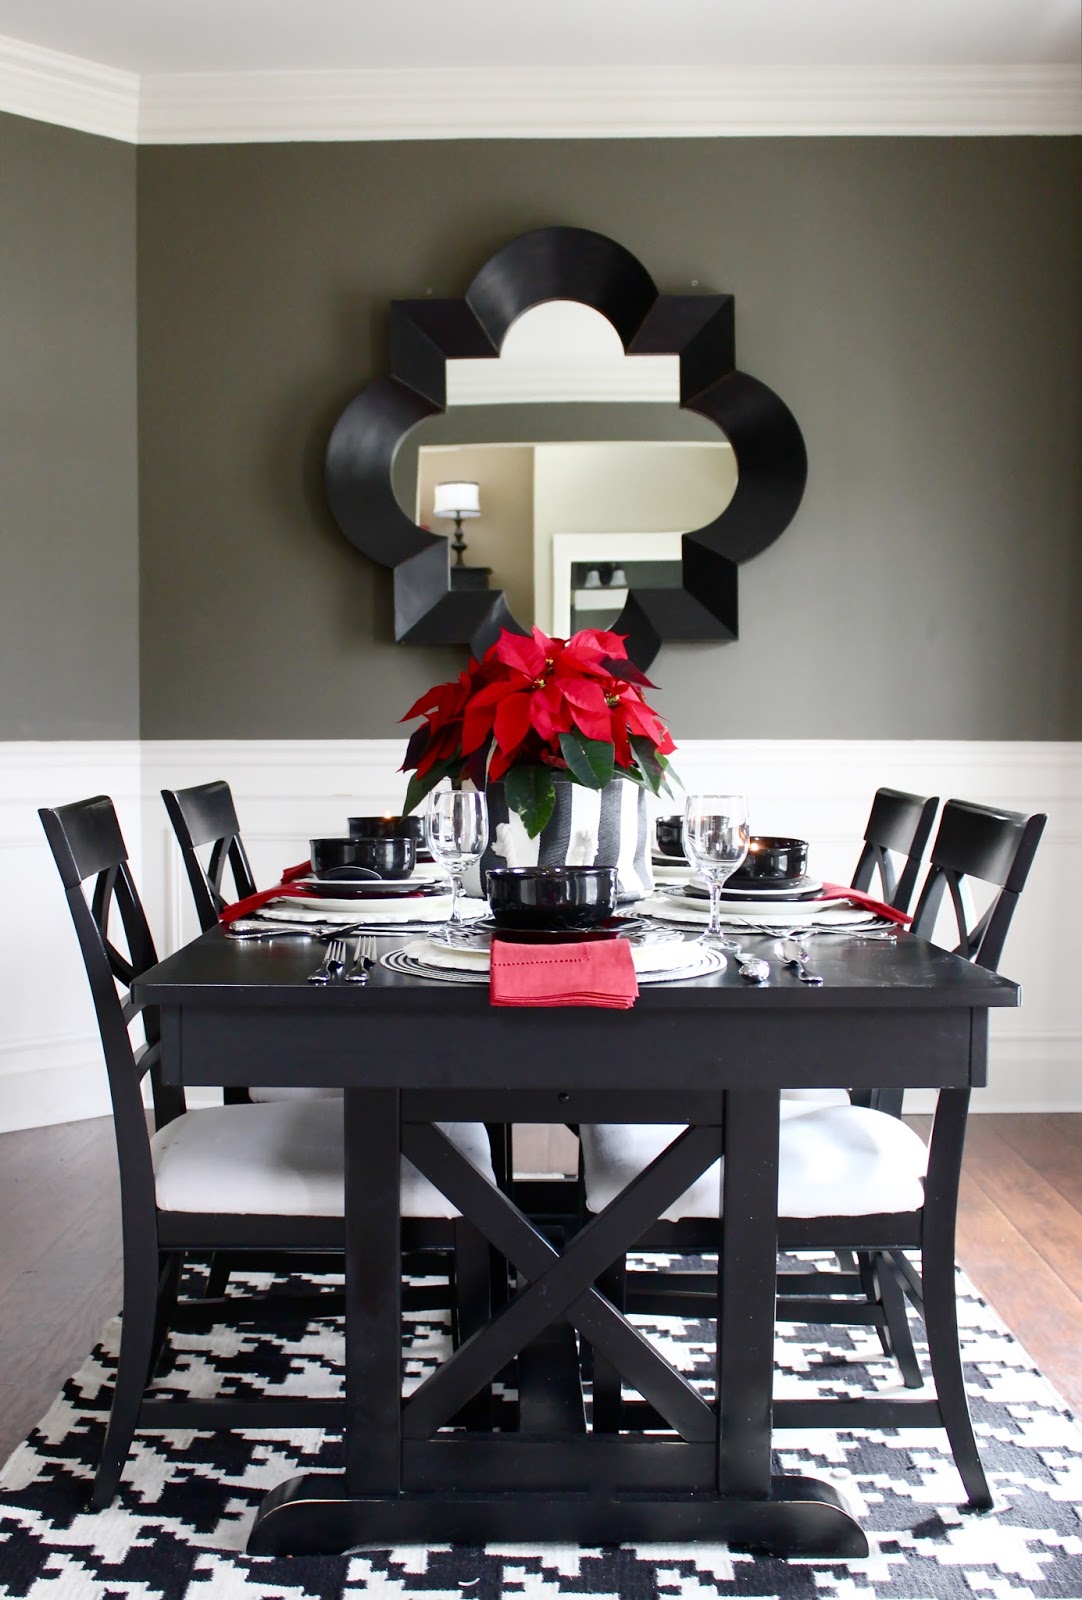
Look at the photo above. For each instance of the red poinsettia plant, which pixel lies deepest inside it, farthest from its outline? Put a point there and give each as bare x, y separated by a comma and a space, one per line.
534, 711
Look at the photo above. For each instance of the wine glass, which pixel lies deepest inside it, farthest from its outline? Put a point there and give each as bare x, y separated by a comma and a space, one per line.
715, 843
457, 830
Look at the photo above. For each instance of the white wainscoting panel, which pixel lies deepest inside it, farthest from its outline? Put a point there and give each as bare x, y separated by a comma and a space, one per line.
51, 1067
50, 1062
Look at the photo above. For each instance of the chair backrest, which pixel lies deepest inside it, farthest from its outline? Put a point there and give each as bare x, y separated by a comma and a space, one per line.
87, 844
989, 846
898, 824
206, 815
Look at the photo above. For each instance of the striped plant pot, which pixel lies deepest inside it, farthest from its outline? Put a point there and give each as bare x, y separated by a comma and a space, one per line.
589, 827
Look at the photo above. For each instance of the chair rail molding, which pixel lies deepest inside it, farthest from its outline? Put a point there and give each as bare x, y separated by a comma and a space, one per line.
288, 791
536, 102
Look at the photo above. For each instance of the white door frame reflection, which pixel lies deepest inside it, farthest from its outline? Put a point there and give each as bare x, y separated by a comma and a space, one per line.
618, 549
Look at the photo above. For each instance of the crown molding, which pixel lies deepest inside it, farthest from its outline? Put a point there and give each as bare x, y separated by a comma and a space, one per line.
68, 90
578, 102
535, 103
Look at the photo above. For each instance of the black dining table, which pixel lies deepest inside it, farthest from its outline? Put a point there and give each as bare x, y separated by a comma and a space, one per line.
711, 1054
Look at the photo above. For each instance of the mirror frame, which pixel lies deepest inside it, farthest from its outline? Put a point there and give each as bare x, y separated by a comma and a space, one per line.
565, 264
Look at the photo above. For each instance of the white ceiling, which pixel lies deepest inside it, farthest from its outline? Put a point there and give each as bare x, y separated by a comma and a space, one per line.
169, 36
207, 71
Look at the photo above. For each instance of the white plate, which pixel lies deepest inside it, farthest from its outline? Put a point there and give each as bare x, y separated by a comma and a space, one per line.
779, 914
662, 956
312, 908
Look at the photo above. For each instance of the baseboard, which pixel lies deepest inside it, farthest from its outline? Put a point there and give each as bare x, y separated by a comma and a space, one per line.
44, 1093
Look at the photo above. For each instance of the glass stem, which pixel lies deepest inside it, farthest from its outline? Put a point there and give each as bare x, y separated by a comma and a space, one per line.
456, 890
714, 929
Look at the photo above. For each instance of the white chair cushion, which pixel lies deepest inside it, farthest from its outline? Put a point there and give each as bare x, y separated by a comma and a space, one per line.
270, 1096
794, 1101
840, 1161
282, 1159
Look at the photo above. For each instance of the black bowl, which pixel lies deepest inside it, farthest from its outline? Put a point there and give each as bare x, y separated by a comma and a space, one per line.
557, 898
772, 860
388, 828
670, 837
389, 858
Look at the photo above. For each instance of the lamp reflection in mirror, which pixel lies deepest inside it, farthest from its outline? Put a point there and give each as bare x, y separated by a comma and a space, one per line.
457, 500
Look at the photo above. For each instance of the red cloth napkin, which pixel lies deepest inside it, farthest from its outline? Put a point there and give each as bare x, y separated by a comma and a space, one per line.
837, 891
301, 870
593, 972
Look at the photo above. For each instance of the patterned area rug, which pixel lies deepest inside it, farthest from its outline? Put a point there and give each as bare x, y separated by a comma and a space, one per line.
179, 1525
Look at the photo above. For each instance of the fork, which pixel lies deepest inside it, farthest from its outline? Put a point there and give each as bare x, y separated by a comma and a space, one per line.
332, 964
363, 958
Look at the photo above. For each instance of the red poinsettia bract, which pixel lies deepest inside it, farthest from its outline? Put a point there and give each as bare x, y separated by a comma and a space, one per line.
536, 708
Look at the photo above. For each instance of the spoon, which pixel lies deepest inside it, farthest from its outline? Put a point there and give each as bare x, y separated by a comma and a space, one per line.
795, 955
755, 969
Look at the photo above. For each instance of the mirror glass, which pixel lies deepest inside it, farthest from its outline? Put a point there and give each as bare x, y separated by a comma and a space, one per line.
572, 467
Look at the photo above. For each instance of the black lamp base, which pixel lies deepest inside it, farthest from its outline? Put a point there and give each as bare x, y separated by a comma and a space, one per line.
470, 577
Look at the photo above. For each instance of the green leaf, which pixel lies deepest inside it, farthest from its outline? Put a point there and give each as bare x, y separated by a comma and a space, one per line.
671, 777
418, 788
590, 761
648, 763
531, 792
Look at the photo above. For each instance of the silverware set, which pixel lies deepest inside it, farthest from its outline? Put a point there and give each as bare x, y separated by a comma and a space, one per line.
336, 960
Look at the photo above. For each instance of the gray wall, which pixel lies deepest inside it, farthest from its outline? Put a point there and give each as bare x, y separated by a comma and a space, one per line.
69, 638
915, 302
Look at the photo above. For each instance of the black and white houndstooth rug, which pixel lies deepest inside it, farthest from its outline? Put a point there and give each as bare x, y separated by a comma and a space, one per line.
178, 1527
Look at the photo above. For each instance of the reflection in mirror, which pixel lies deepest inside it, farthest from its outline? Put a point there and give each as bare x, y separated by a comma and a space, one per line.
588, 472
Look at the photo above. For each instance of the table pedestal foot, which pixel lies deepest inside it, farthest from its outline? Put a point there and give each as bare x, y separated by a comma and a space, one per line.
313, 1515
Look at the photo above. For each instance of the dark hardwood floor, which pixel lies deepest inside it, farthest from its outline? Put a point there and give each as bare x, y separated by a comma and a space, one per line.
1020, 1240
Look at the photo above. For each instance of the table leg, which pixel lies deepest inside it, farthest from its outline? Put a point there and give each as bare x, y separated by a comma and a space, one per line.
292, 1515
373, 1431
746, 1291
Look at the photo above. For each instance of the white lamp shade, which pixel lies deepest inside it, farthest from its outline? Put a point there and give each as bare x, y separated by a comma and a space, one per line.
456, 500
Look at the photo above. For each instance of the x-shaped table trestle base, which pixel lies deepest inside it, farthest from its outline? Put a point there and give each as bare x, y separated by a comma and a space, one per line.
405, 1482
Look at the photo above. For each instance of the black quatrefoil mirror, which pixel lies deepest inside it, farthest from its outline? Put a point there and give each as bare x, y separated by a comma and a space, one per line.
630, 504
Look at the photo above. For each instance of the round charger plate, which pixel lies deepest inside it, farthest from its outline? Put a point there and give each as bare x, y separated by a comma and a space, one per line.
706, 962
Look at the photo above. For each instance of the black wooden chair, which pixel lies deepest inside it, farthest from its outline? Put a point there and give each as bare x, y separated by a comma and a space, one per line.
895, 838
205, 815
899, 824
257, 1181
851, 1178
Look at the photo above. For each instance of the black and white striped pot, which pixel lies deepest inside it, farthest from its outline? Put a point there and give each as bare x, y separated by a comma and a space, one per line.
588, 828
